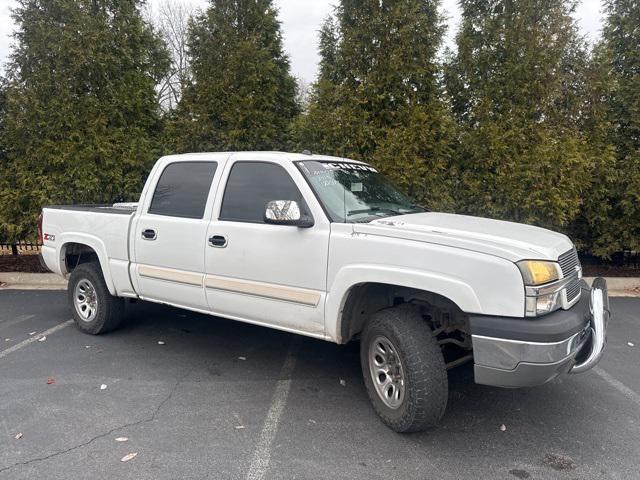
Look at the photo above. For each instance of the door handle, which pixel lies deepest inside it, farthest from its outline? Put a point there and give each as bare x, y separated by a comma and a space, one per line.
218, 241
149, 234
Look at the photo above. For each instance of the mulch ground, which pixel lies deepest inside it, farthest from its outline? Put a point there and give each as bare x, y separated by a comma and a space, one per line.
20, 263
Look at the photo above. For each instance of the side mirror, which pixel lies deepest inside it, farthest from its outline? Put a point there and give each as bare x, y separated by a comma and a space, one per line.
286, 212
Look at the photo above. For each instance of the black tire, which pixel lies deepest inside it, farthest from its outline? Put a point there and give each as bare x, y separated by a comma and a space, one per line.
109, 310
424, 371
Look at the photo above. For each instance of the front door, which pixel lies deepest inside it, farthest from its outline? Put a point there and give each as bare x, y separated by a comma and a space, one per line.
263, 273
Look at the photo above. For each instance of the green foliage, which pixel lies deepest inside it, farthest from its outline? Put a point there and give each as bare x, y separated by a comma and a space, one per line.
517, 86
592, 228
618, 62
610, 221
242, 96
377, 96
81, 112
520, 123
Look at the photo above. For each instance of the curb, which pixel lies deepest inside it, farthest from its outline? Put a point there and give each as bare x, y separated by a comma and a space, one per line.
31, 281
618, 286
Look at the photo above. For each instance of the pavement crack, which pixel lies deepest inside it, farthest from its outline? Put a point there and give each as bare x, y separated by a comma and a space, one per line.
148, 419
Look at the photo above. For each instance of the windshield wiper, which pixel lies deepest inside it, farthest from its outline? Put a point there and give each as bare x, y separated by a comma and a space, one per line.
414, 209
373, 209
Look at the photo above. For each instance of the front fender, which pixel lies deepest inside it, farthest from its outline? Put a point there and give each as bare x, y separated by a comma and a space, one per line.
455, 289
93, 242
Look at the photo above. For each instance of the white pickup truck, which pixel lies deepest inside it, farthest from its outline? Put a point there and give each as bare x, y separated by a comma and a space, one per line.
326, 247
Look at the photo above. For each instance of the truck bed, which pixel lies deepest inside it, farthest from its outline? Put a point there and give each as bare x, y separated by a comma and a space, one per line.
103, 228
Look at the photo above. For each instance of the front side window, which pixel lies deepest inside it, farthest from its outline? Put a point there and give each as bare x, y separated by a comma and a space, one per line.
183, 189
355, 192
251, 185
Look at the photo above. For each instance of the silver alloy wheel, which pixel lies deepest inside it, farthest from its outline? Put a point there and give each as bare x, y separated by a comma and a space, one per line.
85, 300
386, 371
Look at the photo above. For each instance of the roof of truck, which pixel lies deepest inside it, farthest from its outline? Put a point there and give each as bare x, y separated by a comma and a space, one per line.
272, 156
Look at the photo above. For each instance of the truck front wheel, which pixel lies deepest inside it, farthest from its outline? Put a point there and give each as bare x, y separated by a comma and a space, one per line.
403, 369
94, 309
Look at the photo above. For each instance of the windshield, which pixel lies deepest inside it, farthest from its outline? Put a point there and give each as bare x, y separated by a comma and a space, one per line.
354, 192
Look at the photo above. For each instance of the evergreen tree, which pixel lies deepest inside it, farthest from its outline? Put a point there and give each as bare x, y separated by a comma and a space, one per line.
242, 96
517, 88
618, 61
377, 96
82, 114
5, 173
595, 227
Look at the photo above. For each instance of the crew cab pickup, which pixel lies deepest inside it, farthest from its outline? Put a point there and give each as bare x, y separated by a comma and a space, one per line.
326, 247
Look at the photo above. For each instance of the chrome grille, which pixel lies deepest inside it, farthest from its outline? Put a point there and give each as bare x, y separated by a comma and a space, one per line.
568, 262
573, 289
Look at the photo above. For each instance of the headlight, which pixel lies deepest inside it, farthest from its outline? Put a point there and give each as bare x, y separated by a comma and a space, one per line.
537, 272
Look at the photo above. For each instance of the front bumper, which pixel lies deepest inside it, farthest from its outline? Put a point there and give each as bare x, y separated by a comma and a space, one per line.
523, 352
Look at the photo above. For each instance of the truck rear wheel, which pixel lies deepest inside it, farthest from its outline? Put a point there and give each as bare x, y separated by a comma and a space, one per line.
404, 370
94, 309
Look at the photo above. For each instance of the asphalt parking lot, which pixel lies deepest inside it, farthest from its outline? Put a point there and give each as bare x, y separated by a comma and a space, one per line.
221, 399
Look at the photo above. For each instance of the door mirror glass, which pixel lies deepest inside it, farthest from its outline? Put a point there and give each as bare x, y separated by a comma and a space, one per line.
286, 212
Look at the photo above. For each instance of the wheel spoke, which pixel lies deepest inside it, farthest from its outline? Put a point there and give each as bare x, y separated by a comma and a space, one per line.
381, 376
390, 391
385, 385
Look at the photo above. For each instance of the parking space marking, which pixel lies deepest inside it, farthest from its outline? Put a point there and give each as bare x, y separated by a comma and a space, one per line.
262, 455
35, 338
15, 320
618, 385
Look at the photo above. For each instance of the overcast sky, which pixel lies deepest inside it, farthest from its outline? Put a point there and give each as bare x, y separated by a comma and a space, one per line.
301, 20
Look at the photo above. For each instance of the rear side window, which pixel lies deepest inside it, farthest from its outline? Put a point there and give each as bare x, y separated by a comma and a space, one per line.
183, 189
251, 185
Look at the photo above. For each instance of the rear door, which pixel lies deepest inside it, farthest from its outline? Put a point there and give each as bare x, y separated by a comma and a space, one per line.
264, 273
170, 233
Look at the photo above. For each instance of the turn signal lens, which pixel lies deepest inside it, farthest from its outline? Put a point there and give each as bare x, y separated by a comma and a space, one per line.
542, 304
536, 272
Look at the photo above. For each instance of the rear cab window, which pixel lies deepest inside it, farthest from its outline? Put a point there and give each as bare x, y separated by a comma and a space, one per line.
182, 189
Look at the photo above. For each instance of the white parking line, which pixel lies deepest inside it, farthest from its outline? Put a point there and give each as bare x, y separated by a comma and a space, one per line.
35, 338
618, 385
262, 455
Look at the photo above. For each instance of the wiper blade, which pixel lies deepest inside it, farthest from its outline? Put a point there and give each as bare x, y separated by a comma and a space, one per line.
414, 209
373, 209
363, 210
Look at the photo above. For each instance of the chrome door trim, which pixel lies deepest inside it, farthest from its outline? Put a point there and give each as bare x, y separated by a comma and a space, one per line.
171, 275
266, 290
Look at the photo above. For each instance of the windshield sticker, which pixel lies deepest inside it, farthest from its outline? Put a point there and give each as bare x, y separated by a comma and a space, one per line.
349, 166
356, 187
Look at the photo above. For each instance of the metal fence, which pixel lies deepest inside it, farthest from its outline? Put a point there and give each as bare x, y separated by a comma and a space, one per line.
20, 248
624, 259
628, 258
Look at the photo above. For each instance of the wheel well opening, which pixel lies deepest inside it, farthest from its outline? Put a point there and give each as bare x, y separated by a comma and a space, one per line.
75, 254
442, 315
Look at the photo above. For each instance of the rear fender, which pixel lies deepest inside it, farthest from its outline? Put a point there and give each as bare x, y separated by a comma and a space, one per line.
94, 243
